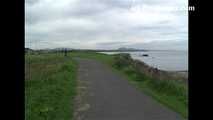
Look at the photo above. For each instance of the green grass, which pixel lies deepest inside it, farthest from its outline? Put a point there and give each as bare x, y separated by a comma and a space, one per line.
107, 59
170, 93
50, 87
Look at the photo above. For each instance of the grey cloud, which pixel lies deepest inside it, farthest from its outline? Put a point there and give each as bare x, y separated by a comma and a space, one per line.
31, 2
95, 23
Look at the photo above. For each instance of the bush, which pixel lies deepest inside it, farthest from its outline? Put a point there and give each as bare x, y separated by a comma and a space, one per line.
122, 60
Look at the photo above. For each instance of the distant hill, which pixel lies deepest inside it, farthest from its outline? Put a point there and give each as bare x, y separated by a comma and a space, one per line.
129, 49
62, 48
28, 49
122, 49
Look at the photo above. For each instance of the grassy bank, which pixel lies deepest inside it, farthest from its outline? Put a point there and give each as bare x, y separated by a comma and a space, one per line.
172, 94
49, 87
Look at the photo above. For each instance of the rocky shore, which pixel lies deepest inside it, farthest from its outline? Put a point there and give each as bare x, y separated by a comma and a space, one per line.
151, 71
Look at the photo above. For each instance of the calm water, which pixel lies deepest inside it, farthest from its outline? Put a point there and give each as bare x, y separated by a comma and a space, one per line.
164, 60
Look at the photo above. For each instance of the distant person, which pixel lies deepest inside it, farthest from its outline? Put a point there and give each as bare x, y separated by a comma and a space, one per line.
65, 52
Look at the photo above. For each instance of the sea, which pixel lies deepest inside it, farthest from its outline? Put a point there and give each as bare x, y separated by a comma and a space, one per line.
168, 60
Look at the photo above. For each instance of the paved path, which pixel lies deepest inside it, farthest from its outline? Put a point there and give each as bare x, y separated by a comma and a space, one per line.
111, 97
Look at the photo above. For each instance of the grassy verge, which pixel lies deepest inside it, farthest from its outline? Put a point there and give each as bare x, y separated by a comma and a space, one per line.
172, 94
49, 87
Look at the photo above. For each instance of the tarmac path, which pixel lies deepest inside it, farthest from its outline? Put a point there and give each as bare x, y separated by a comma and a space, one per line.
111, 97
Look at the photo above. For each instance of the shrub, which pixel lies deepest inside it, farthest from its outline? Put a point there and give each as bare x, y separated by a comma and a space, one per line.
122, 60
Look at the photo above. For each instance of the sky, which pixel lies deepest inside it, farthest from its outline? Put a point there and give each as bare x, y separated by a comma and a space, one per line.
106, 24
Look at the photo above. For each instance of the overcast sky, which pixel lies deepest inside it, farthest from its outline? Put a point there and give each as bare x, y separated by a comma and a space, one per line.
106, 24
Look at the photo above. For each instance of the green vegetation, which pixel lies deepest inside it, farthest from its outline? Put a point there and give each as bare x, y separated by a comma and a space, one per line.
108, 59
171, 93
50, 86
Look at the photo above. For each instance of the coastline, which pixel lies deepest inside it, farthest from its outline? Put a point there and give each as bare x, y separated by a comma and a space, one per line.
161, 61
154, 72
